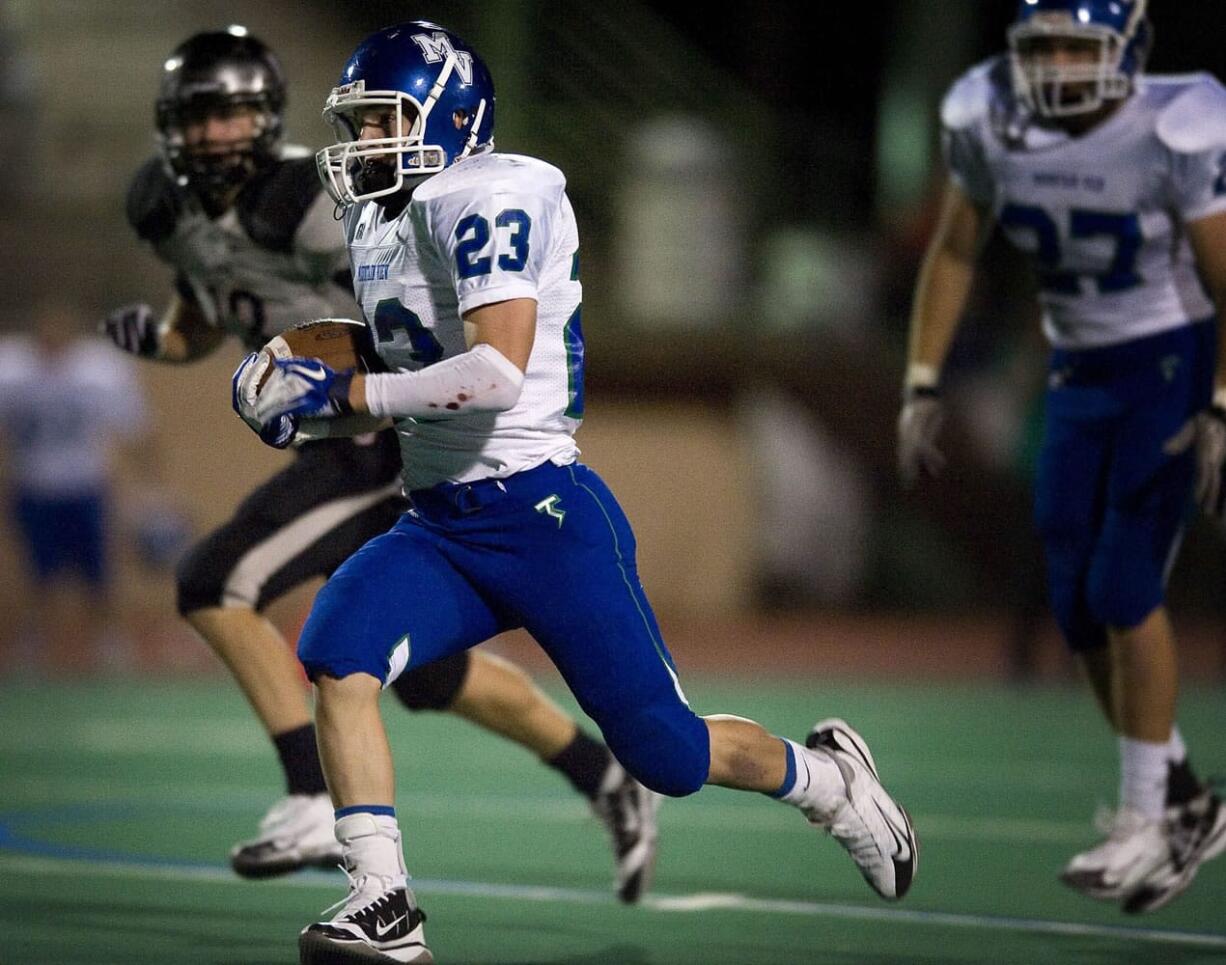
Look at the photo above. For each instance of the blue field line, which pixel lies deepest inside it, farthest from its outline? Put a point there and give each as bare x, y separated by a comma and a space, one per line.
11, 839
23, 853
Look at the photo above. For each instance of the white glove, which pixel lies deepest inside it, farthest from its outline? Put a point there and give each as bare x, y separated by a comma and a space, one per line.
919, 424
244, 384
304, 387
279, 431
1207, 432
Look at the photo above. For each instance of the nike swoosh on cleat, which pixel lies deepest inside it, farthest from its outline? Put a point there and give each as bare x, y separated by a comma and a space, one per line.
901, 838
382, 929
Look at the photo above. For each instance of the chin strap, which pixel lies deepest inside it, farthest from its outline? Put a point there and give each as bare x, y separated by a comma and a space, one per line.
472, 135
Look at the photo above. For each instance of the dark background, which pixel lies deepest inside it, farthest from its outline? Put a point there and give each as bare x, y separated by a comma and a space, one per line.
755, 184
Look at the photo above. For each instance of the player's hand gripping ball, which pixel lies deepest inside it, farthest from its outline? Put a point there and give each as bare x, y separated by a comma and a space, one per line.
293, 374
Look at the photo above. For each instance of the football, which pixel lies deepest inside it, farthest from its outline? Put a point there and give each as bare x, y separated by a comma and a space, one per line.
340, 343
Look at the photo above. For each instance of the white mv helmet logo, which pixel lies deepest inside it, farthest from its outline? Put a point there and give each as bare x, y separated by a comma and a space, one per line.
437, 47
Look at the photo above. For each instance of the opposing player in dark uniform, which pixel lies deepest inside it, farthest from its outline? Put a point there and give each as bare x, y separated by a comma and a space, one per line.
245, 224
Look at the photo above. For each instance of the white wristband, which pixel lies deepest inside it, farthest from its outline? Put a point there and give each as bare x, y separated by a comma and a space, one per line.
922, 376
479, 380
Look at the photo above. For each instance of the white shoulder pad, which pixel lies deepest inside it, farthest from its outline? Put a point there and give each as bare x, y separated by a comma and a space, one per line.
494, 174
970, 97
1195, 119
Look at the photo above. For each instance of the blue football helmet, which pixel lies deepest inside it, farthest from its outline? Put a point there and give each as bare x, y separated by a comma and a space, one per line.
1112, 36
415, 74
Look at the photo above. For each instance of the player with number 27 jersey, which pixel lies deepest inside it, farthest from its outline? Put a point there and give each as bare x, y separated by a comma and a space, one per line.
1102, 213
495, 228
1114, 181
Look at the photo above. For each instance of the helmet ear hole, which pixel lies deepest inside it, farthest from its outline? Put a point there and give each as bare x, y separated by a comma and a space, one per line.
459, 117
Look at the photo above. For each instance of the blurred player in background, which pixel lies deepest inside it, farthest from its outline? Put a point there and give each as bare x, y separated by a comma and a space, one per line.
466, 264
243, 221
1115, 182
68, 406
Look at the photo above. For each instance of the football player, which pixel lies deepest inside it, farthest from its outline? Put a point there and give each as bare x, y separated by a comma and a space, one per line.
466, 265
1115, 182
61, 463
243, 221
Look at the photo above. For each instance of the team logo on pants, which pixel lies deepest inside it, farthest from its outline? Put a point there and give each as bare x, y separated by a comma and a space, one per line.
549, 506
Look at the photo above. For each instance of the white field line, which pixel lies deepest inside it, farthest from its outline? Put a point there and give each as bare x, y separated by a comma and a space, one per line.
675, 904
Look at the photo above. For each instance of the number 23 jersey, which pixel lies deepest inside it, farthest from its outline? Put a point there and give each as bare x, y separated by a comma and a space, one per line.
1102, 214
491, 228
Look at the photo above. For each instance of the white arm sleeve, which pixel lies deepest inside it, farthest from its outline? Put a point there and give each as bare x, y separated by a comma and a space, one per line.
479, 380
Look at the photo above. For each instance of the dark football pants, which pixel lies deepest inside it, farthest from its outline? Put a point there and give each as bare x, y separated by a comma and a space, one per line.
304, 523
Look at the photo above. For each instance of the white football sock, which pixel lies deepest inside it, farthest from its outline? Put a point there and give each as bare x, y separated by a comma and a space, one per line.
1143, 776
371, 844
1176, 752
819, 786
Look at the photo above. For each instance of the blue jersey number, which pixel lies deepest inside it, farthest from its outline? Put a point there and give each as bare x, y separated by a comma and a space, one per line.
1219, 186
1124, 229
390, 315
473, 233
572, 338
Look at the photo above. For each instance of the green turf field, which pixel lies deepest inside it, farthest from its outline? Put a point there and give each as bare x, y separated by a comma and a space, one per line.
118, 803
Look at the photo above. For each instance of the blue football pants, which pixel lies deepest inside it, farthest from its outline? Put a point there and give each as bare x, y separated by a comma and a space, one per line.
1110, 503
547, 549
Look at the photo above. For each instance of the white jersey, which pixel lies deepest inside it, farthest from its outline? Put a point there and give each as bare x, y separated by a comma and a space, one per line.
269, 262
61, 414
1103, 214
491, 228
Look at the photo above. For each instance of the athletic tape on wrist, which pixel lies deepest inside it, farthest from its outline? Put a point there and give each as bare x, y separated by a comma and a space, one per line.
920, 375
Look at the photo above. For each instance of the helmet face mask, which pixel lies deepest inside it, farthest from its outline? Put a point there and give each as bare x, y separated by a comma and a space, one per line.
436, 101
228, 81
210, 166
1070, 58
358, 168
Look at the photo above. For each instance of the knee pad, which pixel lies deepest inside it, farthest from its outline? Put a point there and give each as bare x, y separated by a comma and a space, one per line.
664, 745
434, 686
200, 580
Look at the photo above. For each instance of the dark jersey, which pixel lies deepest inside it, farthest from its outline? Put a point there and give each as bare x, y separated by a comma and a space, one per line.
272, 260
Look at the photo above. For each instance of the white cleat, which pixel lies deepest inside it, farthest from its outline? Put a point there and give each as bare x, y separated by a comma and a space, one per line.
628, 810
1136, 848
375, 924
297, 832
874, 829
1196, 833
